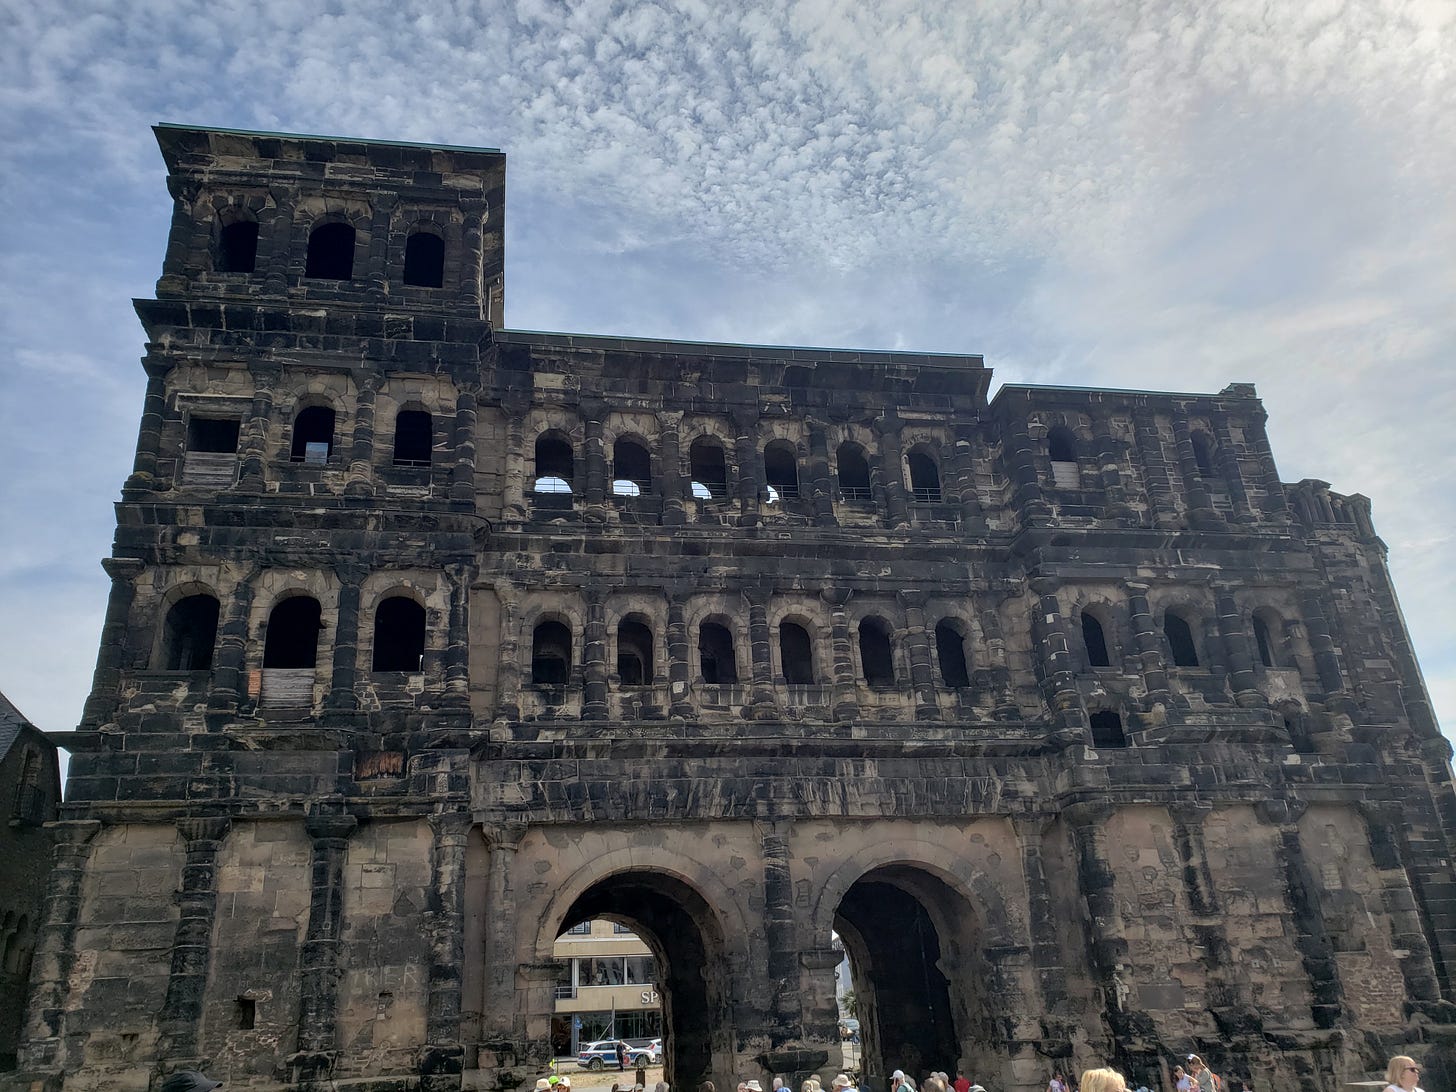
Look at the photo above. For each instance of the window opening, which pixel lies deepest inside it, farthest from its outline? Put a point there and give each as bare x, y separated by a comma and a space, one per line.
424, 260
189, 634
1265, 642
924, 478
1107, 729
631, 469
781, 471
330, 253
399, 635
553, 464
1094, 640
797, 654
237, 247
1062, 447
634, 653
1203, 453
950, 650
709, 470
1180, 641
715, 655
413, 438
293, 631
580, 929
247, 1014
854, 473
550, 654
214, 435
313, 435
875, 656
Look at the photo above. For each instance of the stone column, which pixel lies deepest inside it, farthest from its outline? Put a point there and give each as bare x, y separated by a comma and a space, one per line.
964, 462
514, 491
1229, 466
229, 682
594, 659
887, 475
105, 694
1149, 648
42, 1042
277, 256
1042, 920
1200, 505
999, 671
670, 475
343, 695
508, 665
462, 474
360, 478
750, 466
174, 280
473, 212
319, 955
679, 665
1236, 648
1020, 453
778, 927
501, 957
1054, 662
376, 273
1326, 661
820, 484
917, 643
1386, 828
845, 704
1164, 508
761, 694
1274, 503
181, 1017
149, 434
1109, 465
595, 493
253, 442
457, 648
442, 1057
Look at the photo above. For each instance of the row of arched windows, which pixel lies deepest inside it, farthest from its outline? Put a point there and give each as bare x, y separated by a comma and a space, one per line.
1064, 450
331, 253
313, 438
1179, 627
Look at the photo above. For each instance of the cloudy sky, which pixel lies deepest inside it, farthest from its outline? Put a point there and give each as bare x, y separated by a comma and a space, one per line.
1091, 192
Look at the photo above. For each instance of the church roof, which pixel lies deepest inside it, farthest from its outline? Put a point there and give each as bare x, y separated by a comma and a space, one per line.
11, 723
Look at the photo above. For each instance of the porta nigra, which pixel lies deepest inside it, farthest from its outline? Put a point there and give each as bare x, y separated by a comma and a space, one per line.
1091, 739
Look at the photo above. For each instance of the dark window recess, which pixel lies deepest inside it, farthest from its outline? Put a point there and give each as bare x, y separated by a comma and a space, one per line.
313, 435
874, 653
330, 253
1094, 640
215, 435
1264, 642
631, 469
247, 1014
424, 260
189, 633
634, 653
237, 247
715, 655
293, 632
1203, 454
854, 472
413, 438
553, 464
1180, 641
709, 470
924, 478
797, 654
1062, 445
1107, 730
780, 470
950, 650
550, 654
399, 635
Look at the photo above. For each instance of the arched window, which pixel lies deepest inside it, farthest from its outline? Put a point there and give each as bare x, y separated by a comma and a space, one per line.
1203, 453
330, 253
631, 469
1107, 729
875, 654
1266, 625
1062, 447
1094, 640
414, 438
715, 655
293, 632
950, 651
854, 473
313, 435
399, 635
550, 654
189, 634
797, 653
1180, 640
553, 464
237, 247
16, 945
634, 652
924, 477
424, 260
781, 470
709, 469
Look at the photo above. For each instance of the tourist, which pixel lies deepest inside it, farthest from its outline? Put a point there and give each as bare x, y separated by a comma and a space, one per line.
778, 1083
842, 1083
707, 1086
807, 1086
660, 1086
901, 1083
1204, 1079
1181, 1080
189, 1080
961, 1084
1056, 1084
621, 1055
543, 1085
752, 1086
1401, 1075
563, 1082
1102, 1080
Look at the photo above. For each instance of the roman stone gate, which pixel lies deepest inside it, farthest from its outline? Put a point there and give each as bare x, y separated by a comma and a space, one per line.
1083, 735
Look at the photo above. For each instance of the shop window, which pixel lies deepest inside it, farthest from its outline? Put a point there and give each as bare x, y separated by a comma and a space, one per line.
950, 652
715, 655
330, 253
399, 635
797, 654
293, 631
424, 260
189, 634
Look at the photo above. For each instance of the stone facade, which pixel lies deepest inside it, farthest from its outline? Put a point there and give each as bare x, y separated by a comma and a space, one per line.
1089, 737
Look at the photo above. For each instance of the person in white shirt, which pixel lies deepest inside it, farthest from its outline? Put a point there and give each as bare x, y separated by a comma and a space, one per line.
1181, 1079
1402, 1074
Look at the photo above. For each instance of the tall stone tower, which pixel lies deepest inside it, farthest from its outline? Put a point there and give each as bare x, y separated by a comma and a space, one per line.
428, 640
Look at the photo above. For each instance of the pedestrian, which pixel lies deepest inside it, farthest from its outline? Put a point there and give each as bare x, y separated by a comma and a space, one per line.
778, 1082
660, 1086
961, 1084
543, 1085
1181, 1080
901, 1083
842, 1083
189, 1080
621, 1055
752, 1086
564, 1082
707, 1086
1401, 1075
1056, 1084
1102, 1080
1205, 1079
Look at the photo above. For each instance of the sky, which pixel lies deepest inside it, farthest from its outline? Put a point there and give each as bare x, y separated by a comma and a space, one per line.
1093, 192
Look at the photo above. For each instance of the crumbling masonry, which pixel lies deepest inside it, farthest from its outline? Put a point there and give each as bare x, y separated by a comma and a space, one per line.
429, 639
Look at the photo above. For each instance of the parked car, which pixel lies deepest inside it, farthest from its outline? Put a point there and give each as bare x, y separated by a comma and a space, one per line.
603, 1053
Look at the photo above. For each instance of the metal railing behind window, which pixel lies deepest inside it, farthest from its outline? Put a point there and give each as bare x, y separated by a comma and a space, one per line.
855, 494
927, 495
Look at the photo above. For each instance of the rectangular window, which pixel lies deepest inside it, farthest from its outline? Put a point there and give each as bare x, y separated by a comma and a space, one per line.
581, 930
216, 435
641, 970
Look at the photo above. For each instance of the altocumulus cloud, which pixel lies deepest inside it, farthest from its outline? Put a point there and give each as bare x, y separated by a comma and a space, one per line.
1157, 194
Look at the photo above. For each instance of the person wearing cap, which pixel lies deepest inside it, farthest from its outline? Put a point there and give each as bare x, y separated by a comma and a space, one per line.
564, 1081
753, 1086
900, 1083
553, 1080
189, 1080
842, 1083
543, 1085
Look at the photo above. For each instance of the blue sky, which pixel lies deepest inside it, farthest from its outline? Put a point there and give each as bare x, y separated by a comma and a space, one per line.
1158, 195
